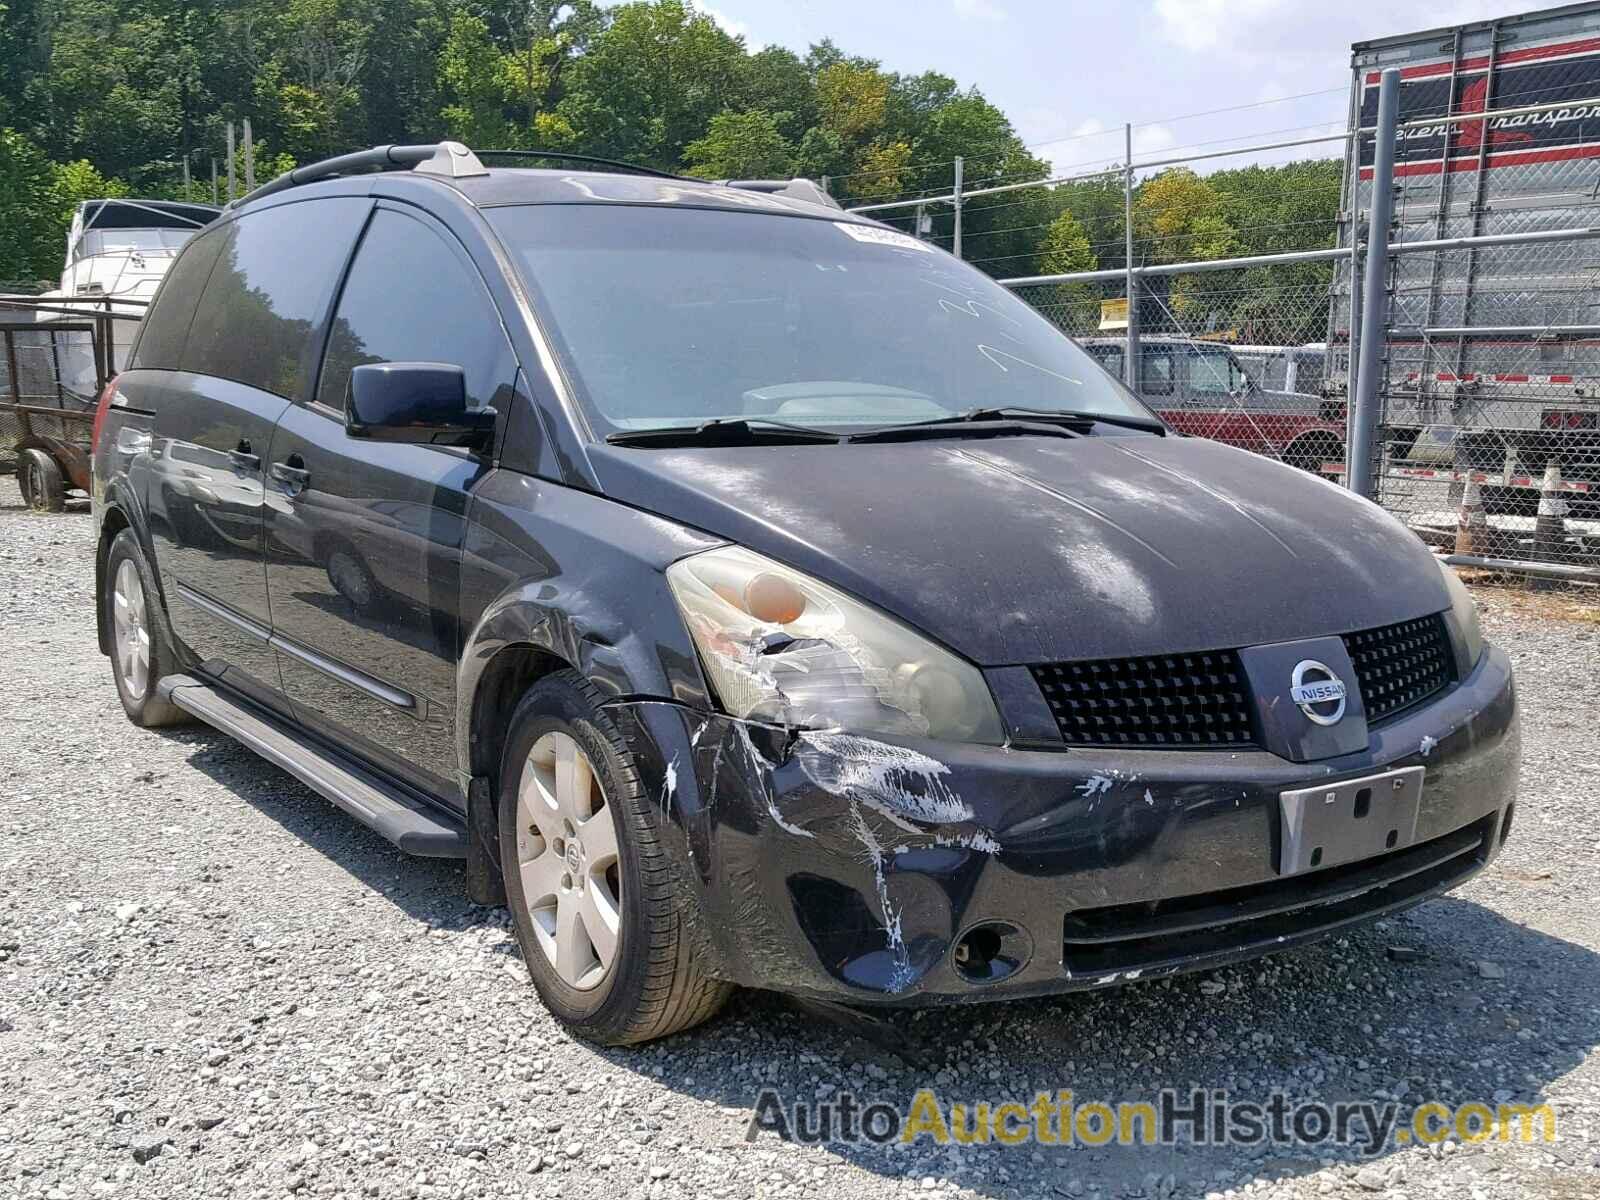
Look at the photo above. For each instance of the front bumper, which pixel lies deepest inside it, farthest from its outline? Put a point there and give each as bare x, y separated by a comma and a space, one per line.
851, 868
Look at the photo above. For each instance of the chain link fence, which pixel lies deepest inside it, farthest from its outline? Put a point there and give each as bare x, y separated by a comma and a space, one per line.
1239, 293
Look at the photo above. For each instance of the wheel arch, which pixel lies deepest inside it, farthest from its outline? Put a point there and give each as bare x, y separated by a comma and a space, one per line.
113, 521
622, 647
1300, 446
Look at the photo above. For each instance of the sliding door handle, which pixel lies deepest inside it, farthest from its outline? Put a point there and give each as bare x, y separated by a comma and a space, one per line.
292, 472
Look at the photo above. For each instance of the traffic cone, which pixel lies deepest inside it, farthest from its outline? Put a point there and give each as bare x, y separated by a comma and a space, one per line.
1472, 523
1550, 529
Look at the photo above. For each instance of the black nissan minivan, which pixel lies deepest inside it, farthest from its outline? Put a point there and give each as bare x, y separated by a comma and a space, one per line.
754, 595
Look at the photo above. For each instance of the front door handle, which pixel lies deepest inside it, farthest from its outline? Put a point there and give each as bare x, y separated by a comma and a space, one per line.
292, 471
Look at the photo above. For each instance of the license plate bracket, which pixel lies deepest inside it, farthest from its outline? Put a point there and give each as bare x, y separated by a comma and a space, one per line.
1335, 823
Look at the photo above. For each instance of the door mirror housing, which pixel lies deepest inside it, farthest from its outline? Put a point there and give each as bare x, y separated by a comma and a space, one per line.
422, 403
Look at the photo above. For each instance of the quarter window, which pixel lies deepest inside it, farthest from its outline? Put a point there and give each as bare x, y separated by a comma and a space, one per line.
167, 325
269, 291
410, 297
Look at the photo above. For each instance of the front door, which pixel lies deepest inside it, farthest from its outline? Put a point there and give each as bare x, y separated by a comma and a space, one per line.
364, 538
248, 350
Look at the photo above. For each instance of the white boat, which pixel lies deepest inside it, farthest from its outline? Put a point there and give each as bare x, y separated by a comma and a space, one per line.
118, 250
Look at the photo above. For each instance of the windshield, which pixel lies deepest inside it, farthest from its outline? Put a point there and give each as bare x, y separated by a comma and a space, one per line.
122, 241
678, 316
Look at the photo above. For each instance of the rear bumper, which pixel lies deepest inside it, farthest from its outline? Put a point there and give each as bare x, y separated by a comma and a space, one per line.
850, 868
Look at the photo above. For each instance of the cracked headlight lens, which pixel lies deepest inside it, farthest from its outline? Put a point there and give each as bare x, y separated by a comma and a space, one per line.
782, 647
1464, 610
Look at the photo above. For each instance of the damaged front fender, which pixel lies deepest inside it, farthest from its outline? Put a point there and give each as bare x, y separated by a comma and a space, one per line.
813, 853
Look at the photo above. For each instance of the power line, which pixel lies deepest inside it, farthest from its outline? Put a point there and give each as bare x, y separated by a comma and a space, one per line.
1210, 112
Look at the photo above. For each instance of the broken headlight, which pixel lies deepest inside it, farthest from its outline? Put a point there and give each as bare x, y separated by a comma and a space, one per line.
782, 647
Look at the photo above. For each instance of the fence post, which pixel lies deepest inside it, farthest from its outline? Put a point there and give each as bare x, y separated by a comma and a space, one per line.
955, 247
1375, 293
1130, 355
230, 162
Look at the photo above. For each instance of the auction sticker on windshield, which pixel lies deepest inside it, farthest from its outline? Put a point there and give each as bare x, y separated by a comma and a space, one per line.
882, 237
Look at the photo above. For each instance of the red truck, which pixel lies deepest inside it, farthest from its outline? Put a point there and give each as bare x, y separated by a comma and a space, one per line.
1260, 398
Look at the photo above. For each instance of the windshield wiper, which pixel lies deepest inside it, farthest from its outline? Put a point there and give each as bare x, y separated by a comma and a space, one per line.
724, 431
1070, 417
965, 426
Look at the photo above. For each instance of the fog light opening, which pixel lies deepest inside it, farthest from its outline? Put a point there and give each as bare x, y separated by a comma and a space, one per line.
990, 952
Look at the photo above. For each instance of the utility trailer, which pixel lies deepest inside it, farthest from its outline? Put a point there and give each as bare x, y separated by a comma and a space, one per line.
1492, 353
51, 352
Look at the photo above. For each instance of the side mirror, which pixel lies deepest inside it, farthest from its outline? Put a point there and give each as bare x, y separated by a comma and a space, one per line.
422, 403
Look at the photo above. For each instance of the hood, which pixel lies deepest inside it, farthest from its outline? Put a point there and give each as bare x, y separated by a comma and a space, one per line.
1042, 549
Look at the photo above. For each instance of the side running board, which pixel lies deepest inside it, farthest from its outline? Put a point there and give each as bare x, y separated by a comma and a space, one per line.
415, 827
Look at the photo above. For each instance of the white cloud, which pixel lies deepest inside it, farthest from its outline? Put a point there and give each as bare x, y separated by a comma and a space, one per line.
728, 25
979, 10
1150, 139
1204, 24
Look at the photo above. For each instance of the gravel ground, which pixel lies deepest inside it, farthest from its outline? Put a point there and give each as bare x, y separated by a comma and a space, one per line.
214, 983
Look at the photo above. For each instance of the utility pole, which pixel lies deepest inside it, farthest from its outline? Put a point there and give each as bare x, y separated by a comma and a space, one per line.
956, 193
214, 197
249, 158
1130, 357
230, 162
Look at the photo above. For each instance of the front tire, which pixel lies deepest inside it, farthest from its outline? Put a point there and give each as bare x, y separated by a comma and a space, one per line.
590, 886
141, 644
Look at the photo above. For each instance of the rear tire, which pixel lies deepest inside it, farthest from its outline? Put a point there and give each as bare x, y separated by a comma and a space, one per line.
642, 977
39, 477
141, 642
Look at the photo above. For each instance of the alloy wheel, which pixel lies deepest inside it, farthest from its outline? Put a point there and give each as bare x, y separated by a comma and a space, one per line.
568, 860
131, 629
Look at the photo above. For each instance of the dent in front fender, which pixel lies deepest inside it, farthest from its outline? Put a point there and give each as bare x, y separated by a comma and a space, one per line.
579, 577
817, 859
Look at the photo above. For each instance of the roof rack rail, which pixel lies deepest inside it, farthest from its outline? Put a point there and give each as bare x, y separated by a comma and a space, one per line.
587, 160
795, 189
449, 159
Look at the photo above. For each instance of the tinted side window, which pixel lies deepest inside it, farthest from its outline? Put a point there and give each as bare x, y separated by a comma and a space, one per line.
410, 297
271, 286
167, 324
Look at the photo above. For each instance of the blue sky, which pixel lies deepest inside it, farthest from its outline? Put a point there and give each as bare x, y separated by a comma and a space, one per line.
1066, 69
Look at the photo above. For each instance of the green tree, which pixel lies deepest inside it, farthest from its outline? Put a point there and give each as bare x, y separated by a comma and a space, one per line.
307, 59
1066, 248
472, 78
1075, 307
541, 38
29, 249
650, 84
776, 80
747, 145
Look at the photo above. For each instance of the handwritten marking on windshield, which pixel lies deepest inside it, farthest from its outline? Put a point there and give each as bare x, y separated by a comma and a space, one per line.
994, 355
